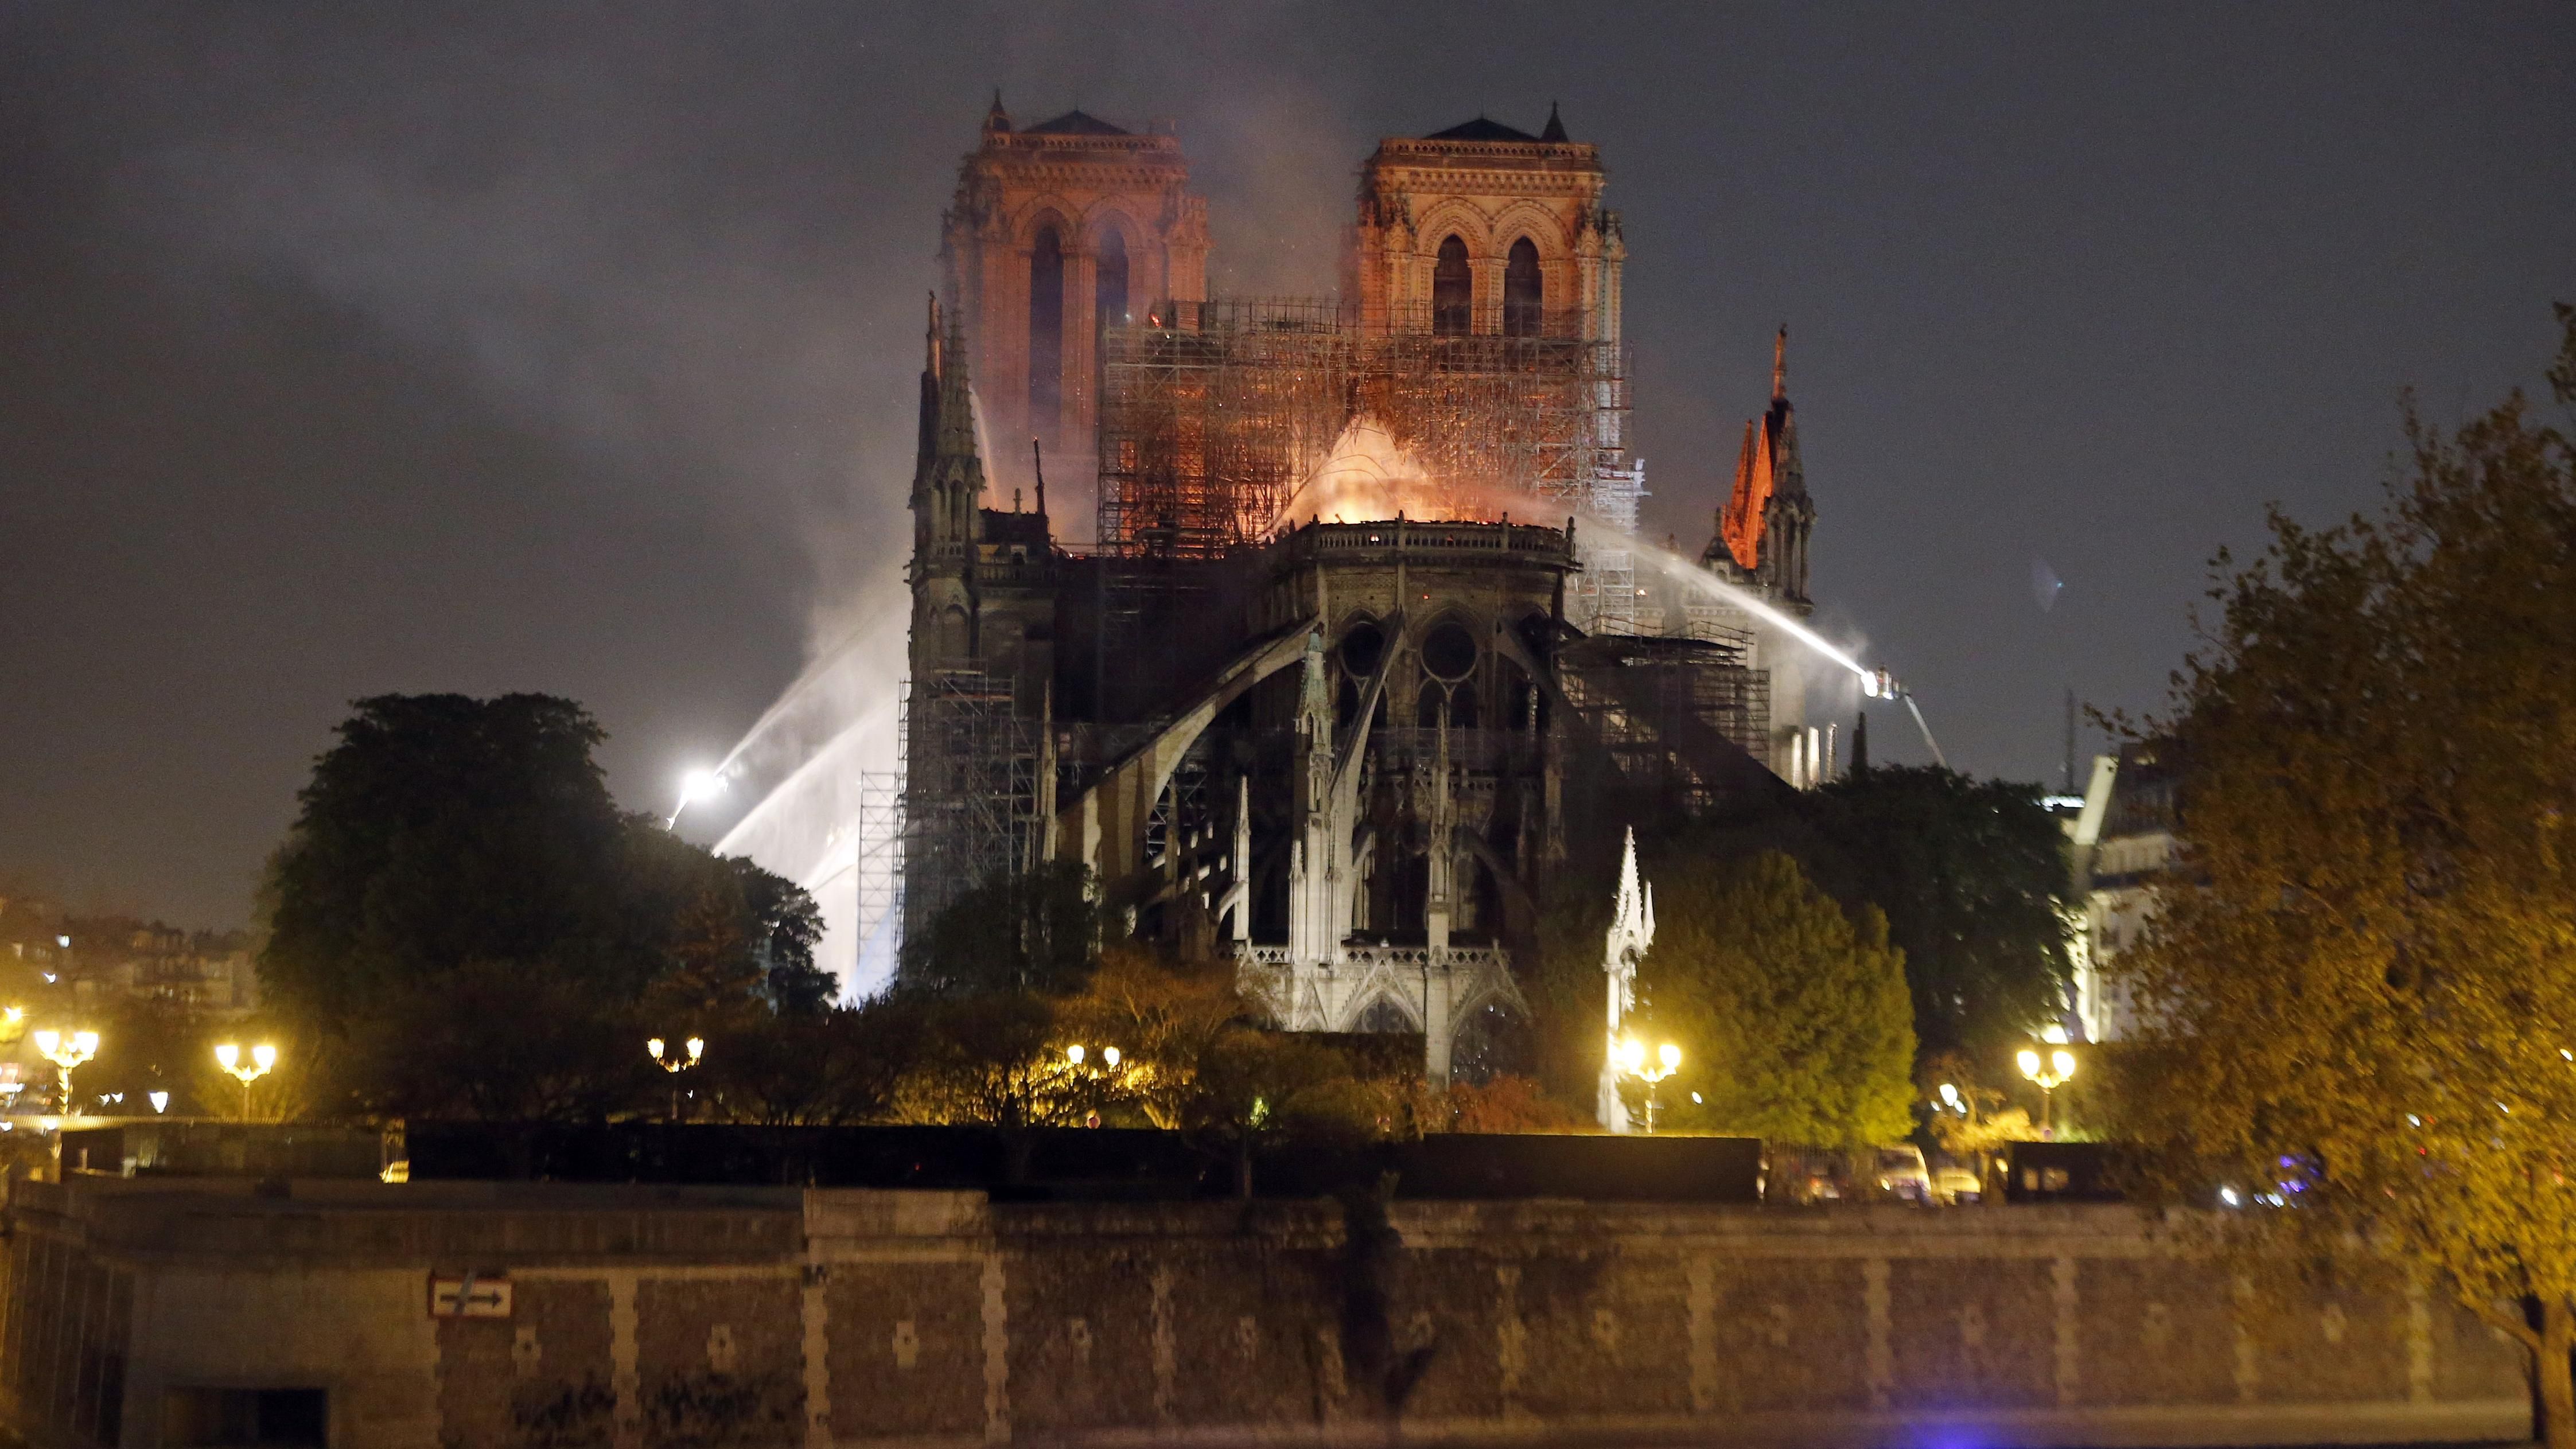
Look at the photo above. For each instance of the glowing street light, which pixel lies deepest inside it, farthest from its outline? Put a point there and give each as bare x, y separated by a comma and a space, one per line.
1632, 1060
66, 1051
696, 1048
694, 786
13, 1023
262, 1057
2052, 1072
1076, 1055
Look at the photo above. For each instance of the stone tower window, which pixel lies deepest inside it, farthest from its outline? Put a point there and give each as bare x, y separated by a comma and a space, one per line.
1524, 293
1108, 292
1046, 332
1453, 289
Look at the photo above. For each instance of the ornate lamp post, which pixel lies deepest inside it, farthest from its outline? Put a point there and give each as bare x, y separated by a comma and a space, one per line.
1632, 1060
1076, 1054
262, 1057
67, 1050
697, 1050
2050, 1074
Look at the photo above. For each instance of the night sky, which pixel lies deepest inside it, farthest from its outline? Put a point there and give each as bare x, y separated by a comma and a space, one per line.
350, 349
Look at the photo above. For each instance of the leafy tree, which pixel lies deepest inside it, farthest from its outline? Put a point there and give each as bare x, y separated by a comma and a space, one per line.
1565, 988
1972, 878
1792, 1018
1162, 1017
442, 830
1035, 931
2371, 973
993, 1059
1252, 1087
497, 1042
1503, 1103
446, 843
825, 1067
784, 927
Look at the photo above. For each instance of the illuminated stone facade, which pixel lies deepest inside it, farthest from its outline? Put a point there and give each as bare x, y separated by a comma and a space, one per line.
1483, 229
1058, 230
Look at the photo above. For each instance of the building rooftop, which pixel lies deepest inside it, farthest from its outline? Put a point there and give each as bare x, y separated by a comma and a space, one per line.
1481, 129
1078, 122
1485, 128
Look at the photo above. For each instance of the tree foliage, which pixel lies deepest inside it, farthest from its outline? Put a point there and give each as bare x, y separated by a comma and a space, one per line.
1033, 931
2371, 973
494, 1042
1972, 877
459, 897
1792, 1018
442, 830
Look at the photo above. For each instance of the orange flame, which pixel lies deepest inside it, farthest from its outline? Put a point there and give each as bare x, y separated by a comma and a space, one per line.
1369, 477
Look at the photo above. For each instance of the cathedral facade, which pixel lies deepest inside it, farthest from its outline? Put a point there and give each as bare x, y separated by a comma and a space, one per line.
1361, 650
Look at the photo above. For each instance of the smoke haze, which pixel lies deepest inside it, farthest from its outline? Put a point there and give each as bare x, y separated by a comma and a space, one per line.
569, 347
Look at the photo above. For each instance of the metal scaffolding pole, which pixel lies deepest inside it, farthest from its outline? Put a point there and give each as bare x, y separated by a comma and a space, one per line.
970, 789
1208, 426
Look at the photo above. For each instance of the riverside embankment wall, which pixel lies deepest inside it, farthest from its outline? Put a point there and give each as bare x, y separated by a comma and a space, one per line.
137, 1313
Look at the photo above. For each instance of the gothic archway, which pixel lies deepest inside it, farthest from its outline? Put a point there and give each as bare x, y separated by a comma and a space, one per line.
1453, 290
1524, 292
1494, 1040
1046, 332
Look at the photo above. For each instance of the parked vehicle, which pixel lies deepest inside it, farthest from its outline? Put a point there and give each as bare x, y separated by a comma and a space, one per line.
1953, 1184
1902, 1175
1801, 1175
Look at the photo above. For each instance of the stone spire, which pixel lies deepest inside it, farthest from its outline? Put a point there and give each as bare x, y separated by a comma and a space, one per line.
948, 474
997, 121
1555, 127
1632, 931
1762, 527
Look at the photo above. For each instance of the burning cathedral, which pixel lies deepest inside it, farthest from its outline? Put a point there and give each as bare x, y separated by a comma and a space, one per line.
1361, 645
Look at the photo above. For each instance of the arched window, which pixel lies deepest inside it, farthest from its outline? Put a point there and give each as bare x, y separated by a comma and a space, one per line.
1383, 1015
1046, 333
1108, 294
1524, 292
1453, 291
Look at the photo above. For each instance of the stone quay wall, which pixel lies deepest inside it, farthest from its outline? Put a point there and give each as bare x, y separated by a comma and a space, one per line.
136, 1312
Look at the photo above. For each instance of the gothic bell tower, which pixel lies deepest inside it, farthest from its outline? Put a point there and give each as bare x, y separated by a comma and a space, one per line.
1059, 231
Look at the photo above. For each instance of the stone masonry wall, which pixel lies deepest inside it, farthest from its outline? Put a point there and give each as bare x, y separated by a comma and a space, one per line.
659, 1318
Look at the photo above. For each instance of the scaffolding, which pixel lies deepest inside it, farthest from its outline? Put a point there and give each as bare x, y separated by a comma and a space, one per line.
1209, 423
1679, 717
970, 791
880, 875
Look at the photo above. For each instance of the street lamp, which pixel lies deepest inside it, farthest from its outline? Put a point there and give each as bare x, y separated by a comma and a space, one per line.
1076, 1054
262, 1057
66, 1051
1632, 1060
13, 1023
2050, 1074
697, 1050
